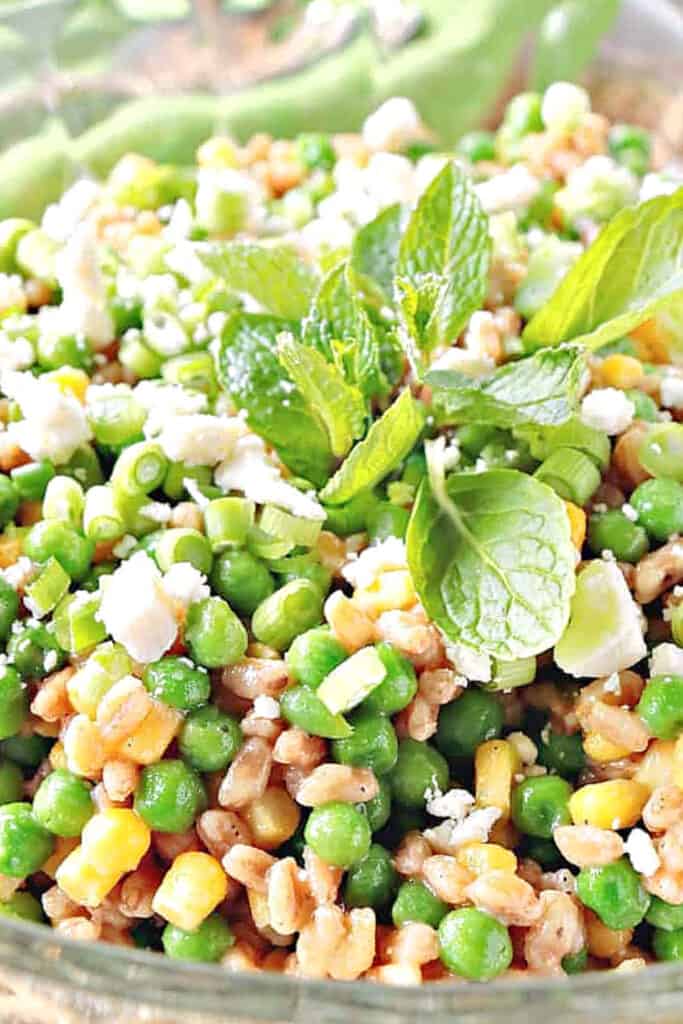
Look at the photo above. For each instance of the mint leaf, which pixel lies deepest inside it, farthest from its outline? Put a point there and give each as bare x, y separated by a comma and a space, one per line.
374, 254
491, 558
248, 368
339, 327
339, 406
568, 39
444, 258
543, 389
632, 269
389, 441
272, 275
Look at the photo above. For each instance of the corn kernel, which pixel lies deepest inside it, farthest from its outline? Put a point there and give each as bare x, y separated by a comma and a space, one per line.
10, 551
621, 371
272, 818
218, 151
482, 857
391, 591
657, 767
117, 838
70, 379
602, 751
82, 880
577, 524
63, 847
193, 886
150, 740
495, 764
652, 341
614, 804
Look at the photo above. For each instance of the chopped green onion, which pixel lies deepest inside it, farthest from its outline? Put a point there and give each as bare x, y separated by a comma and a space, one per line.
183, 545
138, 357
302, 532
47, 589
677, 624
228, 521
117, 419
84, 466
102, 519
32, 479
76, 624
64, 500
140, 468
194, 370
506, 675
105, 666
264, 546
350, 683
177, 473
573, 475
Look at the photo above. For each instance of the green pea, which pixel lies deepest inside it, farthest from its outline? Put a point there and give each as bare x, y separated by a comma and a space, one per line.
668, 945
477, 145
214, 634
9, 500
614, 892
474, 945
210, 739
11, 782
169, 796
667, 916
398, 687
661, 706
28, 751
206, 944
316, 151
313, 655
25, 844
34, 651
419, 768
543, 851
13, 701
659, 504
523, 113
575, 963
303, 567
32, 479
57, 350
468, 721
339, 833
373, 744
351, 517
378, 810
541, 804
9, 608
242, 579
178, 683
24, 906
52, 538
387, 520
63, 803
630, 146
646, 407
373, 881
299, 706
415, 902
615, 532
561, 754
291, 610
661, 451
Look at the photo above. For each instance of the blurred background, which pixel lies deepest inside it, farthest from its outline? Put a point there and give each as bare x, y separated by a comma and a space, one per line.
84, 81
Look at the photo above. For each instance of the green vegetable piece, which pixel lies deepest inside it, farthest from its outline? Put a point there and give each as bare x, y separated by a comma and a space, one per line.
313, 655
668, 945
32, 479
52, 538
34, 651
316, 151
378, 810
614, 892
661, 706
561, 754
183, 544
13, 700
398, 687
575, 963
646, 407
418, 769
543, 441
468, 721
300, 706
9, 607
177, 682
610, 290
387, 520
351, 517
47, 589
571, 474
373, 881
373, 744
169, 796
63, 804
28, 751
415, 902
11, 782
540, 805
477, 145
659, 504
666, 916
474, 945
339, 833
661, 451
36, 256
209, 739
214, 634
613, 531
388, 442
242, 579
25, 844
9, 500
12, 231
24, 906
227, 522
206, 944
289, 611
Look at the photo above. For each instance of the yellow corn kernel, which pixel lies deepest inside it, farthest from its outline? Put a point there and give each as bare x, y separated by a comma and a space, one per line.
657, 766
272, 818
192, 887
116, 837
600, 750
84, 881
149, 741
57, 757
218, 151
577, 524
495, 764
391, 591
258, 905
62, 849
621, 371
70, 379
482, 857
614, 804
10, 551
677, 771
652, 341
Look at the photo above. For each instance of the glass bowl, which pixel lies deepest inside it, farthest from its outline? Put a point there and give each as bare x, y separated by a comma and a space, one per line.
46, 108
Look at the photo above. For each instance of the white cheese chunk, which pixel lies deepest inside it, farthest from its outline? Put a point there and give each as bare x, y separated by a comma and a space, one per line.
666, 660
200, 440
54, 423
641, 852
251, 471
136, 609
84, 309
607, 409
185, 584
392, 125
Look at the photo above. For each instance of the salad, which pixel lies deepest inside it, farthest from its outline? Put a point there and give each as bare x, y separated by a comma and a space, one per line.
340, 590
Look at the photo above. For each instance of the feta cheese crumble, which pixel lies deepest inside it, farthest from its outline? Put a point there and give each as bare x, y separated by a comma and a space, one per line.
666, 660
266, 707
671, 391
641, 852
473, 665
392, 125
607, 409
84, 309
185, 584
54, 423
199, 439
363, 571
513, 189
137, 610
